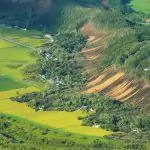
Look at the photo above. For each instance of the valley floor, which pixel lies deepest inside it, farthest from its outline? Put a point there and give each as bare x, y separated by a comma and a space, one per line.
68, 121
20, 44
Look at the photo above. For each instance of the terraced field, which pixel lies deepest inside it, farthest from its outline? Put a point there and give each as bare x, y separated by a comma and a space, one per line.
112, 81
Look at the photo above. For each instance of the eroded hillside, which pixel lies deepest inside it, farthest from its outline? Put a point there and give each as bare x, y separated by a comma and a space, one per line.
112, 81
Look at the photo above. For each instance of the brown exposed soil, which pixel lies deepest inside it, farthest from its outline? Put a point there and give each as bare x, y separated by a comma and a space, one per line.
112, 81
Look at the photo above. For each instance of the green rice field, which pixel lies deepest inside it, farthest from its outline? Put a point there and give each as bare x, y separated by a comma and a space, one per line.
68, 121
7, 83
16, 47
141, 5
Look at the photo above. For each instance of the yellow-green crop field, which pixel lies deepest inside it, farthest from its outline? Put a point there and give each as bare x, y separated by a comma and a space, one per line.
16, 92
5, 44
13, 60
141, 5
68, 121
15, 57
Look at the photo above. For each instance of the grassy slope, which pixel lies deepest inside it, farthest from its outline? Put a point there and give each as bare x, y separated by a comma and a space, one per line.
141, 6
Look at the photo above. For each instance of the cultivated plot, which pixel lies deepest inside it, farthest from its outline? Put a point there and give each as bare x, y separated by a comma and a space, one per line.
16, 46
141, 6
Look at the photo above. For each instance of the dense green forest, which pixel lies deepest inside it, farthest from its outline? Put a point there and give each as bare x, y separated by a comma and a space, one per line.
59, 64
34, 13
130, 51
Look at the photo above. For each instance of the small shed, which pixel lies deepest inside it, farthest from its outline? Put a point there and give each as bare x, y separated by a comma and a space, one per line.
147, 21
48, 36
24, 29
147, 69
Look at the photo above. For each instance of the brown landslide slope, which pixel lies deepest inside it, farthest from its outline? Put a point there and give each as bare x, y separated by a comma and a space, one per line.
112, 81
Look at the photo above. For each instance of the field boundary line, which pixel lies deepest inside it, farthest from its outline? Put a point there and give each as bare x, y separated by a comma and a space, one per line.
16, 43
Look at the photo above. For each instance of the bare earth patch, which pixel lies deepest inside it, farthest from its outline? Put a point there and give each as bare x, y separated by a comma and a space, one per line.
111, 81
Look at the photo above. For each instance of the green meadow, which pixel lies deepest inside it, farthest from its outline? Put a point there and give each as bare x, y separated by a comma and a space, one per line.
141, 5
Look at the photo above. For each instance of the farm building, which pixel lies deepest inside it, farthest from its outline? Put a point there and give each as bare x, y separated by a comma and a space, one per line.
147, 21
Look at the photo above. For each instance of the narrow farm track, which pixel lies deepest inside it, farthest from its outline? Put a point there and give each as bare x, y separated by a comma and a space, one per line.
112, 81
16, 43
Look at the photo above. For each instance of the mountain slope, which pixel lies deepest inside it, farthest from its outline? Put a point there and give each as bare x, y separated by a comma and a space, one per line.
112, 81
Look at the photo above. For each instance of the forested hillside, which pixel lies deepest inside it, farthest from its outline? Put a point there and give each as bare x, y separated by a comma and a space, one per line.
94, 56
